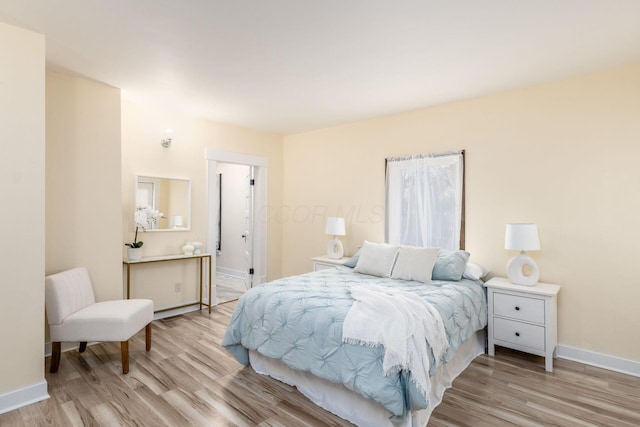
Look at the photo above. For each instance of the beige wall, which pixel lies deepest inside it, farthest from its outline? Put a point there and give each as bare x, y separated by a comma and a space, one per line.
83, 198
143, 127
22, 120
563, 155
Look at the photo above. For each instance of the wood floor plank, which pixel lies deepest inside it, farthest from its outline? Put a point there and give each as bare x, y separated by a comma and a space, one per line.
104, 415
216, 357
194, 409
188, 378
72, 413
232, 414
128, 405
77, 409
167, 413
264, 386
13, 419
309, 414
172, 367
51, 414
82, 394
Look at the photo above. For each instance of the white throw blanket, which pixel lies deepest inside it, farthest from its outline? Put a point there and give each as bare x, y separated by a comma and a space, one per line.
403, 324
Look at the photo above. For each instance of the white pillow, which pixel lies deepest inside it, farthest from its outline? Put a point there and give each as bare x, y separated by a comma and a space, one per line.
376, 259
474, 271
415, 263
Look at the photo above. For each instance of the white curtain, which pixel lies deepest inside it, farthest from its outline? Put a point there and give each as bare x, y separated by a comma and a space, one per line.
424, 200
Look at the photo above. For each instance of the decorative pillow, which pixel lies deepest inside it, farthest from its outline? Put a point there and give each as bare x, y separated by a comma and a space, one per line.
351, 262
376, 259
450, 265
474, 271
415, 263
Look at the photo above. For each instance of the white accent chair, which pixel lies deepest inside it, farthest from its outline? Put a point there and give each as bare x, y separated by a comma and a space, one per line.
74, 315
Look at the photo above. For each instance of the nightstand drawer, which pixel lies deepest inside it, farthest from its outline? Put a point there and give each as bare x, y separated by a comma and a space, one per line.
523, 334
518, 308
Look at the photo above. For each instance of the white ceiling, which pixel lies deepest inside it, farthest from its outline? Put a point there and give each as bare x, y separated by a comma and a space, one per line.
295, 65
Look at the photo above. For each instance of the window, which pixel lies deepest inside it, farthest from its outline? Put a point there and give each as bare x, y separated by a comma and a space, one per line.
425, 200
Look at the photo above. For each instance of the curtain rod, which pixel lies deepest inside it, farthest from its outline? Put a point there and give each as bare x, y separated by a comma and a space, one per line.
422, 156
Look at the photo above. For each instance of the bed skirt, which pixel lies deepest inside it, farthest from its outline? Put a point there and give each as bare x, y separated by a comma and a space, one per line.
356, 408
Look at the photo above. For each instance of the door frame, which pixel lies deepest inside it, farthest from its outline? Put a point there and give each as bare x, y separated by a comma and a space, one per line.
259, 246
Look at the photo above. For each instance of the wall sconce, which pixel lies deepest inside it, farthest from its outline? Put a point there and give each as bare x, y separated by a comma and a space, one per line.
166, 141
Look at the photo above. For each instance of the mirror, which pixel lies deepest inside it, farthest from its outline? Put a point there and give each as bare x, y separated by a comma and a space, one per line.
171, 196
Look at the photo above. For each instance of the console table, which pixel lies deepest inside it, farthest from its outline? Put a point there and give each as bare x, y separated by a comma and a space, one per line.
167, 258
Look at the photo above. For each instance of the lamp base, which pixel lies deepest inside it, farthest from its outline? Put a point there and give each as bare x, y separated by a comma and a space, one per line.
335, 250
515, 270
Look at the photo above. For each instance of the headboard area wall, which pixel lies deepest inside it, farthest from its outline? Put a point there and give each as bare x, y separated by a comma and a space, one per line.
562, 155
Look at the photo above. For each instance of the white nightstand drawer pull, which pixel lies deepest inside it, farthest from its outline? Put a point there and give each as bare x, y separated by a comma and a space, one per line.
518, 307
521, 334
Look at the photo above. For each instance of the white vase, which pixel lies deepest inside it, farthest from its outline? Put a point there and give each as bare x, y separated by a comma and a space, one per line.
196, 247
134, 254
187, 249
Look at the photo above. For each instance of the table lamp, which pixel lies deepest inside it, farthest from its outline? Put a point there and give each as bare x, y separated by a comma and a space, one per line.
335, 227
177, 221
522, 237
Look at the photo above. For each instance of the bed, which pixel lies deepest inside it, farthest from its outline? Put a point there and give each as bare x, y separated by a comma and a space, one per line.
291, 329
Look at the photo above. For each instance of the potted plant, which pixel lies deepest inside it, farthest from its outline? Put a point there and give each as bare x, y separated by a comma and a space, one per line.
144, 218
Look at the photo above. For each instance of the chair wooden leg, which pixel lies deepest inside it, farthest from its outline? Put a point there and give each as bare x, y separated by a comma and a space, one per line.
124, 349
83, 346
55, 357
147, 336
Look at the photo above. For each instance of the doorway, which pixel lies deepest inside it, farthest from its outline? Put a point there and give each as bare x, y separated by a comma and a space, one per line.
236, 232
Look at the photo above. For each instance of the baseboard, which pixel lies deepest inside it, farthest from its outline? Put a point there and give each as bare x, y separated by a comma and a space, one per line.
22, 397
605, 361
238, 274
178, 311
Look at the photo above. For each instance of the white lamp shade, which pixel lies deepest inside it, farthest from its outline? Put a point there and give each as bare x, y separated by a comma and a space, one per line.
522, 237
335, 226
177, 220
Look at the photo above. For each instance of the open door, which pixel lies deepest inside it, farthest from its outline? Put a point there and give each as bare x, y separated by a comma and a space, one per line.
248, 231
255, 218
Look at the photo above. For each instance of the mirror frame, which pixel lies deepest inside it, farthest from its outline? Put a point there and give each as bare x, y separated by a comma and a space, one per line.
156, 176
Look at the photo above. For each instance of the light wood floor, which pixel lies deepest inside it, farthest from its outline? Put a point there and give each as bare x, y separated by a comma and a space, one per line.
229, 288
187, 379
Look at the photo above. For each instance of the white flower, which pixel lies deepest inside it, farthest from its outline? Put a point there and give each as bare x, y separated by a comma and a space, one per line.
145, 217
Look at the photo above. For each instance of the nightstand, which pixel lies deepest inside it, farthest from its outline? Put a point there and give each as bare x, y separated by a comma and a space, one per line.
323, 262
523, 318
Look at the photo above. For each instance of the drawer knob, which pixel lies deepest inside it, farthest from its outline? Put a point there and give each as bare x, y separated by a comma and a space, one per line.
517, 308
517, 334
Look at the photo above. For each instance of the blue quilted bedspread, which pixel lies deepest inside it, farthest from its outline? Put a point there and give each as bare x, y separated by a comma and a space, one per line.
298, 320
